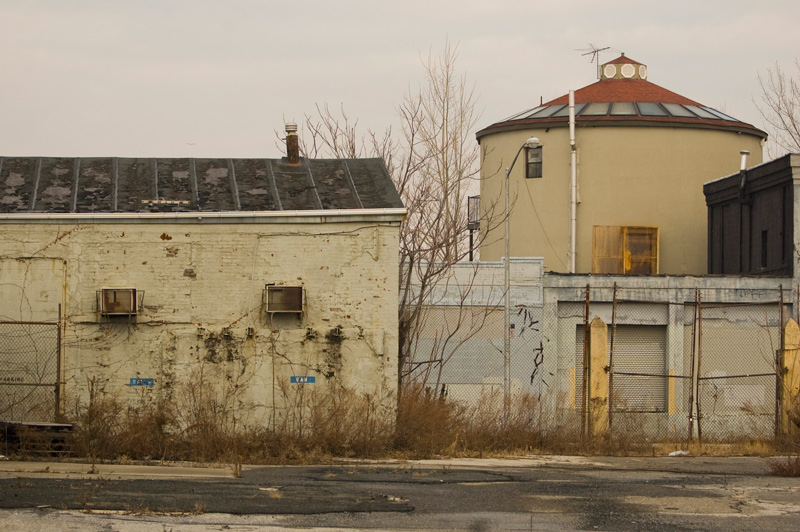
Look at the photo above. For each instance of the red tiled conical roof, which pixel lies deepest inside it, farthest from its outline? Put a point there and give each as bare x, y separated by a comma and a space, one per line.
624, 90
638, 102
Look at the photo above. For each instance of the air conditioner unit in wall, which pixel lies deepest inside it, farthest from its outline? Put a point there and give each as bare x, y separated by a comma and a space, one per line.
117, 301
284, 299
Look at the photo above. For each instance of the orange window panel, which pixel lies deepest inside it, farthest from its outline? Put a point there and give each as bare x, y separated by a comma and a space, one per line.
627, 250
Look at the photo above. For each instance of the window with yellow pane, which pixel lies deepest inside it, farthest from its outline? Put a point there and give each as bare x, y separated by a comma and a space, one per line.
627, 250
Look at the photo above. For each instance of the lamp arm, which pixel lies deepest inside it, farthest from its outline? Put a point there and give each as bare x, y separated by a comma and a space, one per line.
508, 172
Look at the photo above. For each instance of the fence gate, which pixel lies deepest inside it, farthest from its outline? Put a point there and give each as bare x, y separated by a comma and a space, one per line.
30, 365
737, 369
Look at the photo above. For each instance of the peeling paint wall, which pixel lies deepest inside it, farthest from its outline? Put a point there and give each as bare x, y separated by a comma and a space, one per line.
461, 342
201, 320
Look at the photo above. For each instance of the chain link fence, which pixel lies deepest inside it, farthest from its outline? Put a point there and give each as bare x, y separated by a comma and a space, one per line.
29, 370
738, 348
648, 371
682, 363
459, 351
679, 368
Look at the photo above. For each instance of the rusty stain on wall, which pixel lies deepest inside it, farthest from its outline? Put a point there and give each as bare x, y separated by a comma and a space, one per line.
234, 349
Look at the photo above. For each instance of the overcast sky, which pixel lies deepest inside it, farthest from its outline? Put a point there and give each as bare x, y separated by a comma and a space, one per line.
202, 78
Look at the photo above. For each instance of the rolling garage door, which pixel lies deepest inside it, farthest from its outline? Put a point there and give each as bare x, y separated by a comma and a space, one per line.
639, 349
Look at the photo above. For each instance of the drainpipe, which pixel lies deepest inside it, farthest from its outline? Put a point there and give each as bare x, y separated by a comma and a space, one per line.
573, 184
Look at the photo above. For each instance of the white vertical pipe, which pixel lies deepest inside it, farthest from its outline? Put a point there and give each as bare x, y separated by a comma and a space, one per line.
507, 301
573, 184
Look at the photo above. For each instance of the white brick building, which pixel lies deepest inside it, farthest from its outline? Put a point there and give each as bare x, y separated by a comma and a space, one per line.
253, 275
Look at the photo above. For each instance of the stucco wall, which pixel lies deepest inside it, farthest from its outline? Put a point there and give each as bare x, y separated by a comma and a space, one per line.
735, 333
741, 331
201, 289
633, 176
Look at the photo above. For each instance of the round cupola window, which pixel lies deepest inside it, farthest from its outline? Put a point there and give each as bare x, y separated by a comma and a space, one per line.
628, 70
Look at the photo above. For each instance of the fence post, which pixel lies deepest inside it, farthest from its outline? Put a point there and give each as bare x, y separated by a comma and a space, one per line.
698, 376
586, 367
780, 400
598, 380
691, 364
611, 364
57, 417
790, 383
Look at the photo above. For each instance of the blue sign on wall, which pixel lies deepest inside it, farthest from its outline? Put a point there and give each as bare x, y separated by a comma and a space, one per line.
136, 381
302, 380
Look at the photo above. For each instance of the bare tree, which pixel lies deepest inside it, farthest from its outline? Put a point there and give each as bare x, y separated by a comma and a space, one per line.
780, 105
435, 166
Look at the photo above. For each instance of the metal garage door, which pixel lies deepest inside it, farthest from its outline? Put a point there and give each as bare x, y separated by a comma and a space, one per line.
639, 349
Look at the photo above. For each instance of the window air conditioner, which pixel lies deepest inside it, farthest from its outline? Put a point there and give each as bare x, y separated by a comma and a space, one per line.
117, 301
284, 299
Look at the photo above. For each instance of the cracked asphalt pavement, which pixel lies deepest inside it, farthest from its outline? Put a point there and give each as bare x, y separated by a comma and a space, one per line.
535, 493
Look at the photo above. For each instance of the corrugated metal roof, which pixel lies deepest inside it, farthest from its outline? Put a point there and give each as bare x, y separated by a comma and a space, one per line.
110, 184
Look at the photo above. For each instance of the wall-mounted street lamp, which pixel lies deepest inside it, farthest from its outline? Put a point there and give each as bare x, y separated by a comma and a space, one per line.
531, 144
474, 220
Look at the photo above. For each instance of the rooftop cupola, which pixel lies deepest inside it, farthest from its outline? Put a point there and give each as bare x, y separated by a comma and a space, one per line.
623, 68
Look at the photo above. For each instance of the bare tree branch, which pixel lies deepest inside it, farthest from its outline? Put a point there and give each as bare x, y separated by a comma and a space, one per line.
780, 105
434, 163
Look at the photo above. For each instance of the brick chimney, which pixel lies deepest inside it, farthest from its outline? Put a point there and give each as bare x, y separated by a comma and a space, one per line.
292, 144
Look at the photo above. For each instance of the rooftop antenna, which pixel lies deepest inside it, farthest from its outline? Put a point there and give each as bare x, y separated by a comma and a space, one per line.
594, 51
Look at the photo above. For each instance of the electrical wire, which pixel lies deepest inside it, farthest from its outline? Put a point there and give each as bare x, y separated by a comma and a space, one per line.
543, 230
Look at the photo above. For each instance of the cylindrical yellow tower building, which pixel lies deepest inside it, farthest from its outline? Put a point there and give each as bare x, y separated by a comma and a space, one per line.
642, 154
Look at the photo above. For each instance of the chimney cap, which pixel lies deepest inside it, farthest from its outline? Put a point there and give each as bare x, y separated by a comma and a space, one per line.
291, 127
744, 154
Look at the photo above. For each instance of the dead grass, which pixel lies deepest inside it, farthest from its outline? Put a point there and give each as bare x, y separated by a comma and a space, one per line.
317, 424
430, 425
203, 427
785, 467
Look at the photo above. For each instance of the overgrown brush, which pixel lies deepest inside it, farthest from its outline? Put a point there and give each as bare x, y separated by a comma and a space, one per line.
430, 424
107, 428
788, 466
427, 423
201, 425
313, 424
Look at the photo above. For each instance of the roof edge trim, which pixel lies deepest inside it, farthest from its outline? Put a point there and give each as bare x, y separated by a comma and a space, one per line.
307, 216
539, 124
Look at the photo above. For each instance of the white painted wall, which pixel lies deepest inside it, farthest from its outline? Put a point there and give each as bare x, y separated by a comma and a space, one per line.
201, 288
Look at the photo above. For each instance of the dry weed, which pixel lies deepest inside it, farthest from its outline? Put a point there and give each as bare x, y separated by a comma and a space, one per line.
203, 425
317, 423
427, 424
785, 467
